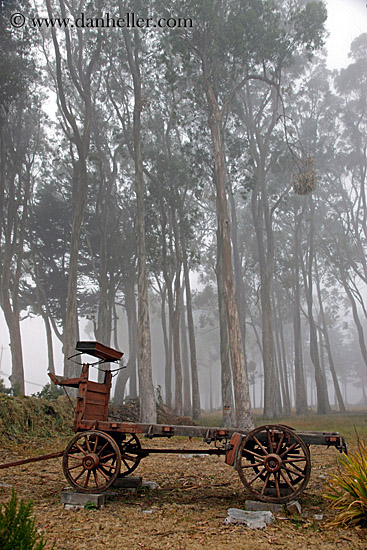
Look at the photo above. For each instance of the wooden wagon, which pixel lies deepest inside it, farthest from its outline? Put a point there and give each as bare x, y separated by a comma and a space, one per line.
273, 461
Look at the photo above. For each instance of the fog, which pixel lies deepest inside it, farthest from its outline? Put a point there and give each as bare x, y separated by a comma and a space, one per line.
347, 19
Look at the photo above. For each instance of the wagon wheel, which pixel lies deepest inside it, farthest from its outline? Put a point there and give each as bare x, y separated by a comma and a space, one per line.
91, 461
274, 463
130, 457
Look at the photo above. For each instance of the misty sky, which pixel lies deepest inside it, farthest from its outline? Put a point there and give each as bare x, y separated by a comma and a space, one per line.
346, 20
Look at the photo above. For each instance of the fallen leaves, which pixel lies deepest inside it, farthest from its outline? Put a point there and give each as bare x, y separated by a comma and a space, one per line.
187, 513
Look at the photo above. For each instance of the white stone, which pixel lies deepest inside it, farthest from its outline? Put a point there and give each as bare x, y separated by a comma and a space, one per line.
151, 485
253, 520
294, 507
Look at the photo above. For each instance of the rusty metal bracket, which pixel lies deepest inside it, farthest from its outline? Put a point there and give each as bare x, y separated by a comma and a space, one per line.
231, 454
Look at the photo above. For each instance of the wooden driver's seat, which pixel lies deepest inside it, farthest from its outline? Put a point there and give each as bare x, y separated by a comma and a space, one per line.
93, 397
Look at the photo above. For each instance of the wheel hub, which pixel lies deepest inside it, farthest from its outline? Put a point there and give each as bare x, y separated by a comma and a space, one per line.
91, 461
273, 462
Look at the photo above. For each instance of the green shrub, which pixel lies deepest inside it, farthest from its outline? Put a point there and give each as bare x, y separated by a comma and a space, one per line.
51, 392
347, 490
3, 388
17, 526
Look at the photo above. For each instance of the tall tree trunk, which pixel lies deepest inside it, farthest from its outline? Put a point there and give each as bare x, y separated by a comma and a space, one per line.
282, 367
80, 81
300, 386
177, 318
357, 321
229, 416
50, 348
129, 374
244, 418
239, 286
167, 341
13, 323
148, 412
287, 401
323, 405
177, 346
325, 331
187, 409
272, 405
196, 407
80, 188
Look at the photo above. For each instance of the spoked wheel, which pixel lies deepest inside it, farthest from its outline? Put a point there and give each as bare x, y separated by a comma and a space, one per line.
91, 461
274, 463
130, 457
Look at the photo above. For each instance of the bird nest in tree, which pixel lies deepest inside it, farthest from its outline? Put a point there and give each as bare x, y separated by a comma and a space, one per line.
304, 182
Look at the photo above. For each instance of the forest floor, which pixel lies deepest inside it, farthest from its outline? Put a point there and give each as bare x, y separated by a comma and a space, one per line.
189, 509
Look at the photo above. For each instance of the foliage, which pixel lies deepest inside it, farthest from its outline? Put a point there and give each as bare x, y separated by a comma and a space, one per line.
17, 526
3, 388
347, 490
19, 415
49, 392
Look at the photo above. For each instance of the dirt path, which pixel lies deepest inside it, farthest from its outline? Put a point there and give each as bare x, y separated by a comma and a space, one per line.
187, 513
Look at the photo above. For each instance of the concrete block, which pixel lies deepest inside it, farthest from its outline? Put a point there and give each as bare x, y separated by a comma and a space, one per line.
127, 482
72, 499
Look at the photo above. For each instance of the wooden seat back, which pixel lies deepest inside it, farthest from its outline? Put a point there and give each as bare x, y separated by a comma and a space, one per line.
93, 397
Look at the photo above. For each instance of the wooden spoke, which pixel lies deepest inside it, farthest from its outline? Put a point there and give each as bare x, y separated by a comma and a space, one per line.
79, 475
253, 466
259, 474
296, 459
106, 457
95, 444
102, 449
81, 449
75, 456
277, 485
95, 477
280, 443
87, 479
286, 480
266, 483
75, 467
300, 474
129, 450
260, 457
291, 448
102, 472
261, 446
87, 444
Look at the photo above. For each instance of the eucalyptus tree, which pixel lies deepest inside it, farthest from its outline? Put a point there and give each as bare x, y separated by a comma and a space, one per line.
21, 139
225, 64
45, 288
73, 70
351, 85
126, 64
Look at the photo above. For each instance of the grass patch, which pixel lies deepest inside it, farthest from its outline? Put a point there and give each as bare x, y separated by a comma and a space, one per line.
345, 424
347, 490
24, 415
